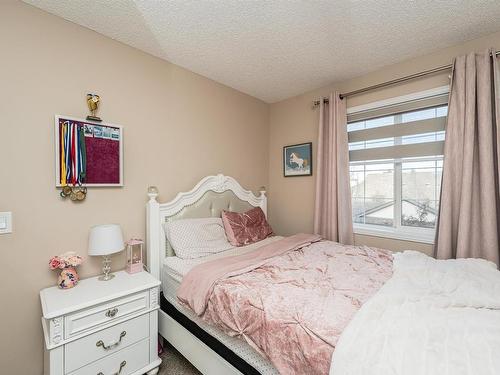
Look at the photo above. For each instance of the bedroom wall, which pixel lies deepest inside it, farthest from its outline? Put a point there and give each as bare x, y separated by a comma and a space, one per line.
291, 200
178, 127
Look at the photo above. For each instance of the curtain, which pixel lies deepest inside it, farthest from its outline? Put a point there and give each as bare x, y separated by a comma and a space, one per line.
332, 211
469, 213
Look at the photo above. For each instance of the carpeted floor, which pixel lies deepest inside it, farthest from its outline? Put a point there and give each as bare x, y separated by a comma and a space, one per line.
173, 363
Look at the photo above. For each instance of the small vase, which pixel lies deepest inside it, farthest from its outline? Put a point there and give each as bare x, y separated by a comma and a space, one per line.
68, 278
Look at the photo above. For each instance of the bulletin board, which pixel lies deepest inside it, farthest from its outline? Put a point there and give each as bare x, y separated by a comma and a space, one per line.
88, 153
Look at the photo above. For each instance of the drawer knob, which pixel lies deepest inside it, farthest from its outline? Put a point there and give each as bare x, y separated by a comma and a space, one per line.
122, 365
112, 312
111, 346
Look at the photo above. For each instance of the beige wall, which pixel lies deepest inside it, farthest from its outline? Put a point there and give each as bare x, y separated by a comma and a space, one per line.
178, 127
291, 200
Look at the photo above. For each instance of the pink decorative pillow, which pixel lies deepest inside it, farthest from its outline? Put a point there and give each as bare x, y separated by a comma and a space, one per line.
246, 228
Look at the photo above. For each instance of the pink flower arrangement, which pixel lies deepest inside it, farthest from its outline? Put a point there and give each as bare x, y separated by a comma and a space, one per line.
69, 259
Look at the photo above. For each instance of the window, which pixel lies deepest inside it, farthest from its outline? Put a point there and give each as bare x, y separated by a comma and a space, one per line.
396, 163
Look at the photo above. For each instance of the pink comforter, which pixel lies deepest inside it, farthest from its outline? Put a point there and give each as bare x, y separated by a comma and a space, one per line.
290, 299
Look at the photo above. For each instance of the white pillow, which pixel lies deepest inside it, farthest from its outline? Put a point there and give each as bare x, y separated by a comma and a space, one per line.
196, 238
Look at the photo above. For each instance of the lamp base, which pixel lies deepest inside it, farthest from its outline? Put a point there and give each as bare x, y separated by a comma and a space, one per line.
107, 277
106, 269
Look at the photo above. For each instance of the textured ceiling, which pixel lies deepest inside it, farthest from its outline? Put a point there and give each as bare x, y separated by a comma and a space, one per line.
277, 49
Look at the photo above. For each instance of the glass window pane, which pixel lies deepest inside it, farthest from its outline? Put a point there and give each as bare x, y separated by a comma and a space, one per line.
372, 191
373, 143
356, 167
379, 166
355, 126
418, 115
357, 184
378, 122
421, 184
356, 146
422, 138
379, 184
358, 207
379, 211
442, 111
419, 164
383, 142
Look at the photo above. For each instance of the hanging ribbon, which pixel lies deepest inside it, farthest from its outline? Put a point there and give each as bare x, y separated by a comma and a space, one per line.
83, 155
73, 155
62, 156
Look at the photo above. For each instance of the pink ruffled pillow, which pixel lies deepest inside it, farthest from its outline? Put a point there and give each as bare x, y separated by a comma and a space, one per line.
246, 228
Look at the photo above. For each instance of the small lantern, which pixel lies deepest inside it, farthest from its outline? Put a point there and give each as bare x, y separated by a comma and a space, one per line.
134, 255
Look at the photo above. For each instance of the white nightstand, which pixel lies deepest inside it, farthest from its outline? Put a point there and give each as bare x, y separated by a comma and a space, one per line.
102, 327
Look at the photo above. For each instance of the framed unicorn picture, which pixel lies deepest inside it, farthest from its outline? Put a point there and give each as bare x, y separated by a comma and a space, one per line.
297, 160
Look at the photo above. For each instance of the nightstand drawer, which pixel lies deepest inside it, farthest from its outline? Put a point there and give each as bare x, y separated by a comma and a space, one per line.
100, 344
84, 320
129, 360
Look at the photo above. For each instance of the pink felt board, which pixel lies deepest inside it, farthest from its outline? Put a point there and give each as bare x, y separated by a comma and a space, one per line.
103, 161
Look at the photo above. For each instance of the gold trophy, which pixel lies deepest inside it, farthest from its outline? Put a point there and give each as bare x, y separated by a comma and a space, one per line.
93, 104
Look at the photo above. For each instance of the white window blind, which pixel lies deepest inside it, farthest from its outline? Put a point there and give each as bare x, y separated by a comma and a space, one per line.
404, 130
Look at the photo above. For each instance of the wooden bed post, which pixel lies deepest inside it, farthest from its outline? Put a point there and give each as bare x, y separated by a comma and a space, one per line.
263, 198
153, 232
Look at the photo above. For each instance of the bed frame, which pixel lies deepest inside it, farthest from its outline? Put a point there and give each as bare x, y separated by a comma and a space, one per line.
207, 199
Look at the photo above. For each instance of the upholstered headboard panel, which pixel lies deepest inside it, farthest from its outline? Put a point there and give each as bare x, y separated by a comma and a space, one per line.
210, 204
207, 199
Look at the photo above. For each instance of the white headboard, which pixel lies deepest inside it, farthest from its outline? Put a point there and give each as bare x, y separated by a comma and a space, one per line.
207, 199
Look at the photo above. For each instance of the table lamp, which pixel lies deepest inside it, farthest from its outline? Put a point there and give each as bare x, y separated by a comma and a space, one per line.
105, 240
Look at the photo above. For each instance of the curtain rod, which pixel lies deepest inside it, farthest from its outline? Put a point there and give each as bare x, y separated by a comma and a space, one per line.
392, 82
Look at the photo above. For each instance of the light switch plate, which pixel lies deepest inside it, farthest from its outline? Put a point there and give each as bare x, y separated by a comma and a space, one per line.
5, 222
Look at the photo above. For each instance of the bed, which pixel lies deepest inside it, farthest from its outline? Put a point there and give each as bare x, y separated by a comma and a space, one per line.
414, 319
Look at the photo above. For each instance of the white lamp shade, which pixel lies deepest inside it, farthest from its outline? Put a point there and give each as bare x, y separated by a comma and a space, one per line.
105, 239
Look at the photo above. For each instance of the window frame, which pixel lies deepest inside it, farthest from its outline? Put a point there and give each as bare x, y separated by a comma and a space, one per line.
397, 231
